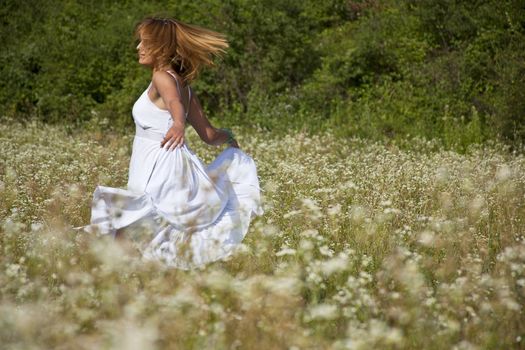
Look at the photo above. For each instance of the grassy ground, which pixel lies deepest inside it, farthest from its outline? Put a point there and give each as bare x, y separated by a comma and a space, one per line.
362, 245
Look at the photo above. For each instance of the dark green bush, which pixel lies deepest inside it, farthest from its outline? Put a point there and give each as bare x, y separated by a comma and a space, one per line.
373, 68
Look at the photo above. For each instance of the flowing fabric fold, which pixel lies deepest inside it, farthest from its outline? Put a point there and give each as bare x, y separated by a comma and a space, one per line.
194, 214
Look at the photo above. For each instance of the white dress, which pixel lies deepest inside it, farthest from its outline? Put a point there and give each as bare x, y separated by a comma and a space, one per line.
188, 214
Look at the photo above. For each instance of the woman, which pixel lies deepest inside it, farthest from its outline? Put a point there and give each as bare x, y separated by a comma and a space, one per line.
193, 214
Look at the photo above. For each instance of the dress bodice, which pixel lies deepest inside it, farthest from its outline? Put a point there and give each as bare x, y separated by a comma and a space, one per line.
148, 115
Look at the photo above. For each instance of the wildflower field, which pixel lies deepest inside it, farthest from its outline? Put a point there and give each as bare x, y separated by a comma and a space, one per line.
362, 246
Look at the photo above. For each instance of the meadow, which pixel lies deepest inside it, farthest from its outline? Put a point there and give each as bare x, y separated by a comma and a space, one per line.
363, 245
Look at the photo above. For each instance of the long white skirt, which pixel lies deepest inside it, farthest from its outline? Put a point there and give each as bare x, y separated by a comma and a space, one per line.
185, 213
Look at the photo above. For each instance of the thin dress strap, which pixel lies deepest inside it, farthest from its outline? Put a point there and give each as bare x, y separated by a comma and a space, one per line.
178, 88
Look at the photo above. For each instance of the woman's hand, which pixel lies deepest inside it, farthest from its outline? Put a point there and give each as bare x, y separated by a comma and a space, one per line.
234, 144
174, 137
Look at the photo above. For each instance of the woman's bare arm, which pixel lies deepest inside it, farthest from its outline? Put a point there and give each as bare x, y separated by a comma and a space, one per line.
167, 89
202, 125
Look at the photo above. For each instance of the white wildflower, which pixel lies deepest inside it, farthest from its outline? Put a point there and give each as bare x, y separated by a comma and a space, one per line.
285, 251
334, 210
442, 175
427, 238
219, 280
322, 312
306, 245
334, 265
286, 286
326, 251
12, 270
358, 214
503, 173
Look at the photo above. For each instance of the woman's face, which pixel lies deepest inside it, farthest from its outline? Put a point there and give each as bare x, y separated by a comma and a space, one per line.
144, 57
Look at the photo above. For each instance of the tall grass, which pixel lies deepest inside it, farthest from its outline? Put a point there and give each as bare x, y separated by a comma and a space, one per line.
363, 245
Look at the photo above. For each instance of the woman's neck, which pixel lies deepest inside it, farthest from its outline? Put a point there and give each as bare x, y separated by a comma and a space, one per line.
162, 69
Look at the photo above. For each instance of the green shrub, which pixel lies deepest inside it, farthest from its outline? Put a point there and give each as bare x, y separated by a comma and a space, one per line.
371, 68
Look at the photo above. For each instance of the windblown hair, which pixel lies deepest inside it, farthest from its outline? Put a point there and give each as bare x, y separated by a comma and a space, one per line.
186, 48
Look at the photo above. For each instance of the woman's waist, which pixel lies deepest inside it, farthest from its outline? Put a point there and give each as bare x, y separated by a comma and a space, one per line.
152, 134
149, 133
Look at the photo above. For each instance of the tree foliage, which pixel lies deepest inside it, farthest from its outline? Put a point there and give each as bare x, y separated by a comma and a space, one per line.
374, 68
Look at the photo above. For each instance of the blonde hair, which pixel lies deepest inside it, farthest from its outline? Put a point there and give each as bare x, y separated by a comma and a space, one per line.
185, 48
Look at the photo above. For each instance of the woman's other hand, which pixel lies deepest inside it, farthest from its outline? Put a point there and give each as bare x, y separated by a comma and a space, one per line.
174, 137
234, 144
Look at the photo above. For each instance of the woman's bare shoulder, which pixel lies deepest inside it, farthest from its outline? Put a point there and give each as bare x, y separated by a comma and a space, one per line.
162, 76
